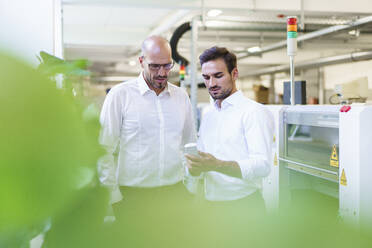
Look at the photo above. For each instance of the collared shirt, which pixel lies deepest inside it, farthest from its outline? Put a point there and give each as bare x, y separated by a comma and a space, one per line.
242, 131
144, 135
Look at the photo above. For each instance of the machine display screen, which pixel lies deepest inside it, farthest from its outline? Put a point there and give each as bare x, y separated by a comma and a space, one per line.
312, 145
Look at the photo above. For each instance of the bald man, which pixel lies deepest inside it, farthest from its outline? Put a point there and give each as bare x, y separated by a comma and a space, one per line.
145, 123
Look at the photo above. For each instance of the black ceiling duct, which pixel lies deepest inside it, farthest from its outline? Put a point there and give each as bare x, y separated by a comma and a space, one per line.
174, 41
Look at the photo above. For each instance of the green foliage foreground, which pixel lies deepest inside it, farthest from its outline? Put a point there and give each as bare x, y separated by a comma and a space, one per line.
48, 153
48, 157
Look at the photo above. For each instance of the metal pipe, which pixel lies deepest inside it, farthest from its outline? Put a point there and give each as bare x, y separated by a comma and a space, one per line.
291, 64
269, 20
272, 89
321, 86
310, 36
203, 15
193, 66
353, 57
302, 23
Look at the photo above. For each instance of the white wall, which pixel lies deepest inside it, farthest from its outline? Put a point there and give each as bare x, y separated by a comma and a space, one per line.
245, 85
343, 73
338, 74
27, 27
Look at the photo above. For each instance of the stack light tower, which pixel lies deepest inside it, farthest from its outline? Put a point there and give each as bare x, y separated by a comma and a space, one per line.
292, 50
182, 72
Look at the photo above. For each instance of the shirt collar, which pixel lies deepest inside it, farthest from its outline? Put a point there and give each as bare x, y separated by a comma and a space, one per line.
233, 99
143, 87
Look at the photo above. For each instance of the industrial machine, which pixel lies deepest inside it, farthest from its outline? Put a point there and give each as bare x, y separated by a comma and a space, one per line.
327, 149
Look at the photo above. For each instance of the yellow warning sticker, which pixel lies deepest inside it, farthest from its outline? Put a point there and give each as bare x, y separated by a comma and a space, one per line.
343, 180
333, 161
275, 160
274, 139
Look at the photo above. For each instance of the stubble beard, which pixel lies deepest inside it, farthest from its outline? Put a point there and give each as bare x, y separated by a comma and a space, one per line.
154, 84
224, 94
157, 85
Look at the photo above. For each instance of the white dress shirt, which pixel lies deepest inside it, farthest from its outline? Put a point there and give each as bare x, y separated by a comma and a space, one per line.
144, 135
242, 131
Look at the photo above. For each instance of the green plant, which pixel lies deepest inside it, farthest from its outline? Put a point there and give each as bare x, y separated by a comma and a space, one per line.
72, 72
48, 154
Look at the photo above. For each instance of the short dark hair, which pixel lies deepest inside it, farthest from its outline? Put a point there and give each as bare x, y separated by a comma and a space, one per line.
215, 52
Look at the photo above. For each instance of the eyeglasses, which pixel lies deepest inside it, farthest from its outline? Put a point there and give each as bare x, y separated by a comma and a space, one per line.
156, 67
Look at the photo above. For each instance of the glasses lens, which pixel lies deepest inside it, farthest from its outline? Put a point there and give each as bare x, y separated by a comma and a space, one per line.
154, 66
158, 66
169, 66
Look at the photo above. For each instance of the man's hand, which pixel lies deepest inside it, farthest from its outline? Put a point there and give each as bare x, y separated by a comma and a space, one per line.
202, 163
207, 162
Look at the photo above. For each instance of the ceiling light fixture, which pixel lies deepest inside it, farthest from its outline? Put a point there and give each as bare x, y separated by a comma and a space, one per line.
254, 49
354, 32
214, 12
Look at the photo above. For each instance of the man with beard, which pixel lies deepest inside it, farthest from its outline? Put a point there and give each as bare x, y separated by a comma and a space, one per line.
145, 124
235, 138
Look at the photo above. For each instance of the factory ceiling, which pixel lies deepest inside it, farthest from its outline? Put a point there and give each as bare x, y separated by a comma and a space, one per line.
109, 33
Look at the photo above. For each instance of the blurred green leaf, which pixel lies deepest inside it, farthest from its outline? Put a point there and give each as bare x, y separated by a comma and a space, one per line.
48, 153
51, 66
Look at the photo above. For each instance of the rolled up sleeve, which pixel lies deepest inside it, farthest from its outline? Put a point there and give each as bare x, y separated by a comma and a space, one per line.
258, 132
191, 182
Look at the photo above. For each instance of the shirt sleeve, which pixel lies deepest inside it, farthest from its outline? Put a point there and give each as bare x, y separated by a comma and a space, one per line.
189, 130
192, 178
111, 122
190, 182
258, 133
